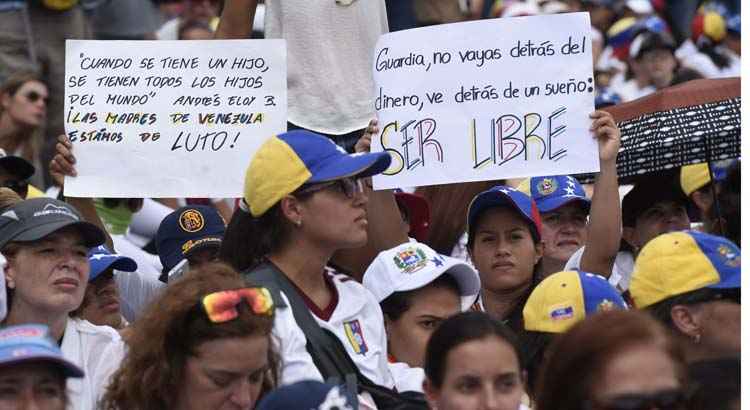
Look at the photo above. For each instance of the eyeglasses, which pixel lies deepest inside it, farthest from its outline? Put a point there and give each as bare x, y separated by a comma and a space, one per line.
672, 399
348, 186
19, 187
34, 96
221, 306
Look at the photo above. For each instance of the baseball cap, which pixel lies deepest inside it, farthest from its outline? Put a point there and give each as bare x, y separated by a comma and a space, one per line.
502, 195
186, 230
647, 193
33, 343
413, 265
100, 259
16, 165
552, 192
307, 395
35, 218
566, 298
286, 161
694, 177
419, 213
680, 262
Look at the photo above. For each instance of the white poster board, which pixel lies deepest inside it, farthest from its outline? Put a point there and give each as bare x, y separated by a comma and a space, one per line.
485, 100
170, 118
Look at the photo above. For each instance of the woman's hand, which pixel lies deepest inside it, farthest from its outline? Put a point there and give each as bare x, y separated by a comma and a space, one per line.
63, 163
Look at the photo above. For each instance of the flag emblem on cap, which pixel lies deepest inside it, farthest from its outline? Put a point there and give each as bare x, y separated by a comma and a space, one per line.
605, 305
546, 186
561, 313
410, 260
730, 257
191, 221
356, 336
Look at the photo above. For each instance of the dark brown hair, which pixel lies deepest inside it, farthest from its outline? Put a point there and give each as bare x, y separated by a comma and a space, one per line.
577, 358
170, 330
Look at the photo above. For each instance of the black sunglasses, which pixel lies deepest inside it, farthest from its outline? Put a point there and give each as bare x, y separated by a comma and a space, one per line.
671, 399
19, 187
348, 186
34, 96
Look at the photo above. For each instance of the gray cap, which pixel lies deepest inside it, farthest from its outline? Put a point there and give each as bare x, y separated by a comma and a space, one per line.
34, 219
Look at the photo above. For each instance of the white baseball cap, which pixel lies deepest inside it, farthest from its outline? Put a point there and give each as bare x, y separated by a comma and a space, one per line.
413, 265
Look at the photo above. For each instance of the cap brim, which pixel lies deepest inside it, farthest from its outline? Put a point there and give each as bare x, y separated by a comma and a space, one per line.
732, 282
554, 203
121, 263
36, 354
17, 166
352, 165
92, 235
466, 278
493, 199
209, 241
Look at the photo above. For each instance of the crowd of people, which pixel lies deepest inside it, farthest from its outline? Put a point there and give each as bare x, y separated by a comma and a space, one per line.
314, 291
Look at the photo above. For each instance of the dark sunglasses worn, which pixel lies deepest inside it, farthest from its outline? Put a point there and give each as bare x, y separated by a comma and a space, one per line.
672, 399
714, 295
348, 186
19, 187
34, 96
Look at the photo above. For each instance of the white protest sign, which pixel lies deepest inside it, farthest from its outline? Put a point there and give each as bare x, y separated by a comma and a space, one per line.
485, 100
170, 118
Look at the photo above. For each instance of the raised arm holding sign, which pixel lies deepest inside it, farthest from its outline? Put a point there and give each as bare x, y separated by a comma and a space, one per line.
170, 119
486, 100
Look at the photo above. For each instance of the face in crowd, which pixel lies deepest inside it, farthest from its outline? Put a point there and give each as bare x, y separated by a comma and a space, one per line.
662, 217
28, 106
427, 308
564, 231
32, 385
48, 275
101, 303
503, 250
472, 364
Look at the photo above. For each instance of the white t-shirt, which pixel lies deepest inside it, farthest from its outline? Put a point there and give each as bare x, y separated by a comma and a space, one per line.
98, 350
138, 288
622, 270
357, 321
329, 60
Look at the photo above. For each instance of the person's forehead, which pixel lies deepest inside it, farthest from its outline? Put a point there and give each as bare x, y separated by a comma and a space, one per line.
66, 234
571, 208
33, 86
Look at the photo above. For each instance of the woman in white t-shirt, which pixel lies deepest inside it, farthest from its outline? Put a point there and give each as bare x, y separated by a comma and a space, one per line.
46, 243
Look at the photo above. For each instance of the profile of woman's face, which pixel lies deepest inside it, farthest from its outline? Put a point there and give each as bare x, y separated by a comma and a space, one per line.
503, 250
479, 374
28, 106
334, 218
224, 374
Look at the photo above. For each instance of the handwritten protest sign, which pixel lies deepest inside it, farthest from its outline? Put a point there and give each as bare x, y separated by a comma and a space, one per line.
485, 100
170, 118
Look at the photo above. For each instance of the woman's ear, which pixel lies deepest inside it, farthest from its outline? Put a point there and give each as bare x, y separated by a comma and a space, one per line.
291, 209
538, 251
431, 393
5, 100
687, 320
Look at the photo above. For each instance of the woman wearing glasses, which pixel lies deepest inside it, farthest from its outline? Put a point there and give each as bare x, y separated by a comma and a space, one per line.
304, 200
616, 360
23, 108
205, 343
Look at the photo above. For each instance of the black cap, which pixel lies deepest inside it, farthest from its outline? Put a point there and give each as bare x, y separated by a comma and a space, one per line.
16, 165
649, 40
34, 219
647, 193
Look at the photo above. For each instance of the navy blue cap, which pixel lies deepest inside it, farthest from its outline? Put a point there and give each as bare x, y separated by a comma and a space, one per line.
101, 259
186, 230
307, 395
32, 343
552, 192
501, 195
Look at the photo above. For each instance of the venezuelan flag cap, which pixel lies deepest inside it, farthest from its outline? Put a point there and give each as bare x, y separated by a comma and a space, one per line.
285, 162
566, 298
505, 196
680, 262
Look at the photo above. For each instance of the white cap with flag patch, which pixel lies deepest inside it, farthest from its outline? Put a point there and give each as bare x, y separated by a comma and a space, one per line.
413, 265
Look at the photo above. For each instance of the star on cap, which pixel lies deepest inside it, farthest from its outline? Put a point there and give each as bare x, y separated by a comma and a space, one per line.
437, 261
569, 191
100, 256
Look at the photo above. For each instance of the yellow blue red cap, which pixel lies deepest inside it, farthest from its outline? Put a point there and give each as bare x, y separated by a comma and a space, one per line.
285, 162
680, 262
566, 298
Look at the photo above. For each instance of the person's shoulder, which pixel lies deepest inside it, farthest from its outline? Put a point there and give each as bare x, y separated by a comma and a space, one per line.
101, 333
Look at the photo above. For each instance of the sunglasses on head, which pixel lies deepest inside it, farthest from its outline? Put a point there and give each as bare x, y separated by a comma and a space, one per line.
19, 187
33, 96
672, 399
348, 186
222, 306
